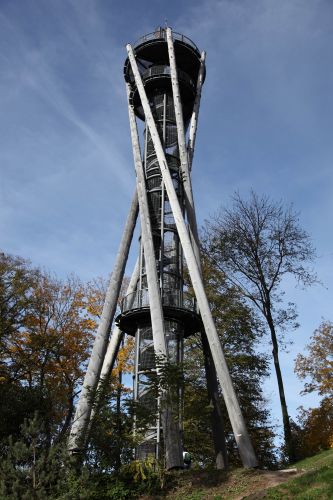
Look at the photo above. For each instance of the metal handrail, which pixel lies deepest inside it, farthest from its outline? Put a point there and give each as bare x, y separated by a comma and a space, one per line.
165, 70
161, 34
170, 298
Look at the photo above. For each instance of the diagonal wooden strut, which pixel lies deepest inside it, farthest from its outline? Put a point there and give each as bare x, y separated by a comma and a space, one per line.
113, 347
112, 351
173, 450
186, 158
77, 437
156, 310
186, 177
195, 113
236, 418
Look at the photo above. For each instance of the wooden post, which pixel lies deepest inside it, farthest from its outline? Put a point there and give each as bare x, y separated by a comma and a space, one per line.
113, 348
195, 113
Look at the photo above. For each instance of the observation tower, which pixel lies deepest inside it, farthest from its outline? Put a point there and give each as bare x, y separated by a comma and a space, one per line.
164, 73
179, 312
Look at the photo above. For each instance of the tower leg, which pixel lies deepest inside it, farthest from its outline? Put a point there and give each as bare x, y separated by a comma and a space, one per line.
112, 349
236, 418
221, 458
77, 437
173, 449
189, 202
195, 113
217, 421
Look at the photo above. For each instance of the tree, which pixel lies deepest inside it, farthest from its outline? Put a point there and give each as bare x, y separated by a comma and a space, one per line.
110, 439
256, 244
49, 351
316, 428
238, 331
111, 436
46, 334
29, 469
47, 326
17, 281
318, 365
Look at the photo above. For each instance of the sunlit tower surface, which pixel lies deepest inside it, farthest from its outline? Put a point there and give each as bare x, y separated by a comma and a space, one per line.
164, 74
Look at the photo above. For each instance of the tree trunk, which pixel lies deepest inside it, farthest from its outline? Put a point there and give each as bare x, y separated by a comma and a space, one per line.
285, 417
221, 458
119, 426
68, 418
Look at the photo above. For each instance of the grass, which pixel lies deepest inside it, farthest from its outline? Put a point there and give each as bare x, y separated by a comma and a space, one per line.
315, 483
314, 480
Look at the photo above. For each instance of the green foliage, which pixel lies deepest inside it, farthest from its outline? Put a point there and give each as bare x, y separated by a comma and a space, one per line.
18, 403
29, 468
144, 477
17, 281
44, 346
240, 332
45, 335
111, 439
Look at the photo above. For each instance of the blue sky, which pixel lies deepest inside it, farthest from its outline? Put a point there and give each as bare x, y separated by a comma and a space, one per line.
266, 123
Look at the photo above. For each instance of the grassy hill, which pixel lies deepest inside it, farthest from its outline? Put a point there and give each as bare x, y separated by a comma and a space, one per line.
306, 480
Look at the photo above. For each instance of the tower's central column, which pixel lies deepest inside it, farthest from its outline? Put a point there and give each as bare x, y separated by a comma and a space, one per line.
169, 263
180, 317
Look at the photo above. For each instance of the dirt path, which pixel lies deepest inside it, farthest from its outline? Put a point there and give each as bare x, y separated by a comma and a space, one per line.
240, 485
257, 486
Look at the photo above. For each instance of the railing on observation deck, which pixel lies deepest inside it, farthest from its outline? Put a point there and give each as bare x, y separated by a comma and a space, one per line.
161, 34
170, 298
165, 70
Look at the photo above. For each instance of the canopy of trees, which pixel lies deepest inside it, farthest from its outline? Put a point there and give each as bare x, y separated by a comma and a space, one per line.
46, 331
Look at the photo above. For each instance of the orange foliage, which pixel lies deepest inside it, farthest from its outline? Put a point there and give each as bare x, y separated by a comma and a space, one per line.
318, 365
46, 345
50, 349
317, 428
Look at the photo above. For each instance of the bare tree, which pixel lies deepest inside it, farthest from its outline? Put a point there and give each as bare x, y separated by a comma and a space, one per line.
256, 244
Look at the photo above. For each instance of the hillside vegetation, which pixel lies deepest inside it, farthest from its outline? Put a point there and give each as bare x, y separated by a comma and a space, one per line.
308, 479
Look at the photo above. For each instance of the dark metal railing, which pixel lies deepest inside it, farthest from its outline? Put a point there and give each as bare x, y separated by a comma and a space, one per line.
170, 298
161, 34
165, 70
